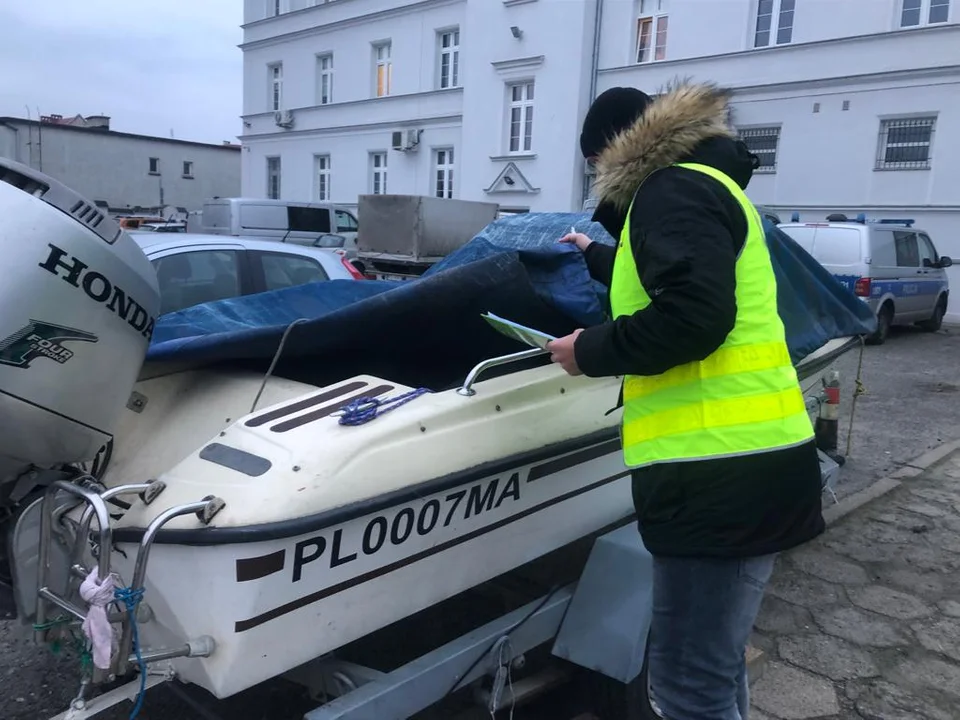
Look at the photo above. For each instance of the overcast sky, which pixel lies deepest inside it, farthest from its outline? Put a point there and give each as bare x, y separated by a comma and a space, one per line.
152, 65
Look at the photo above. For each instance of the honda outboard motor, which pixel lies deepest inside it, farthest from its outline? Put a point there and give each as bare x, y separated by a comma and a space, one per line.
78, 300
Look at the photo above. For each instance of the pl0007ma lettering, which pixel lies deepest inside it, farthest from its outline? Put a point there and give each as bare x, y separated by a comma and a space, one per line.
98, 288
395, 530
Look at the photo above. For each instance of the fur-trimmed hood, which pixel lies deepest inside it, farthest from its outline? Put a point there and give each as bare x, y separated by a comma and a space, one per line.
681, 117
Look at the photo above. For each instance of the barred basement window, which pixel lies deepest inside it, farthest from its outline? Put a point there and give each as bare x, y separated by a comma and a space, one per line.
763, 142
904, 144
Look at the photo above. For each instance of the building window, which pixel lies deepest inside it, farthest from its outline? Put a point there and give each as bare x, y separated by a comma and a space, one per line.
273, 178
763, 142
652, 31
154, 166
187, 169
924, 12
383, 68
767, 10
449, 48
274, 8
323, 177
521, 117
325, 79
275, 73
443, 173
904, 144
378, 173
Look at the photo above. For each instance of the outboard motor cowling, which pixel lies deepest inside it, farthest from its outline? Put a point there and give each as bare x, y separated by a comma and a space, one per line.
78, 301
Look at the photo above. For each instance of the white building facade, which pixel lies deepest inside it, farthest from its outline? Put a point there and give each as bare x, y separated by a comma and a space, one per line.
123, 171
853, 106
474, 93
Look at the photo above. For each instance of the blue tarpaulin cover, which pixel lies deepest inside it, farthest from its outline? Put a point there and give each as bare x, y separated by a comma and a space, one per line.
429, 331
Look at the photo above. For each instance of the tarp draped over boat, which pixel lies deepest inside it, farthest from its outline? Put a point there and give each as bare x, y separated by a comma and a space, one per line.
427, 331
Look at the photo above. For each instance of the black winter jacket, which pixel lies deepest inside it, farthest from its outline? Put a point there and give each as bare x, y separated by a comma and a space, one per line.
686, 231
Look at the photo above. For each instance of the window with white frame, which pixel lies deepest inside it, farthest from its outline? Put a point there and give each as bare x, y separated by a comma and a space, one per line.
274, 7
383, 68
188, 168
448, 72
652, 31
914, 13
905, 143
520, 122
273, 178
764, 143
378, 173
322, 163
275, 73
325, 79
154, 166
774, 22
443, 172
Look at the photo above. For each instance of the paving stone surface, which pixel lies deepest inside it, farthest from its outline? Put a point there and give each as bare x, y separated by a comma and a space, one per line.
863, 623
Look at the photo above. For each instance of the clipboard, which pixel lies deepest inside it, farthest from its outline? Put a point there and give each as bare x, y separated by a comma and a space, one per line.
514, 330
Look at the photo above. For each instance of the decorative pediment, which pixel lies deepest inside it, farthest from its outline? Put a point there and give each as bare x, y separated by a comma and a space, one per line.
511, 180
524, 63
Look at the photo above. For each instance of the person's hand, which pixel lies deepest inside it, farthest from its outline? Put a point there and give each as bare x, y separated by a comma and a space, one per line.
561, 352
578, 239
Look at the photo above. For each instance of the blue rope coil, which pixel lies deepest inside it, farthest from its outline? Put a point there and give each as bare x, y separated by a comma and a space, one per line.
131, 599
364, 409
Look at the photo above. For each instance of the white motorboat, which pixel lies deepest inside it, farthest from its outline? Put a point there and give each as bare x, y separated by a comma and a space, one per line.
329, 532
265, 537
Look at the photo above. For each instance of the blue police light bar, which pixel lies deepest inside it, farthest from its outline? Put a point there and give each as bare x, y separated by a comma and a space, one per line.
897, 221
862, 219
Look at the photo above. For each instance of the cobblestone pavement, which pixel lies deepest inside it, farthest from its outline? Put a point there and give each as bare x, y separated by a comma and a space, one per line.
864, 622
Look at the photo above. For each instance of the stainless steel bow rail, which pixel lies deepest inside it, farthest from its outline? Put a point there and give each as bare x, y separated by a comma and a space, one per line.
467, 388
55, 528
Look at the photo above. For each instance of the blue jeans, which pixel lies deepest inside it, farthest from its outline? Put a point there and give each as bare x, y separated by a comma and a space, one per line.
703, 613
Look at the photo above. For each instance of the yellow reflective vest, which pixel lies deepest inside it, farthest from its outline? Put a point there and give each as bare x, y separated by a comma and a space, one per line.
742, 399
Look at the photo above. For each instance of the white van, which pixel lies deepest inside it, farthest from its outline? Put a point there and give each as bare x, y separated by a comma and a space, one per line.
296, 222
889, 264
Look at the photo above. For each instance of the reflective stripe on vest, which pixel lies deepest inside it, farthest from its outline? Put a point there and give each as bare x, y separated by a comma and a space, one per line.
745, 397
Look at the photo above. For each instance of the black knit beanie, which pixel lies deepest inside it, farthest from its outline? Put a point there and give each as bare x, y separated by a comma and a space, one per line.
612, 112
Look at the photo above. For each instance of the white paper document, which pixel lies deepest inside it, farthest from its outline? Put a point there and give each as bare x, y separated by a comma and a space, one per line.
518, 331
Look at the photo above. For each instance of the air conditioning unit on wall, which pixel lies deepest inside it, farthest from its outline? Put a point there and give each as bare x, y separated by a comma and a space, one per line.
405, 140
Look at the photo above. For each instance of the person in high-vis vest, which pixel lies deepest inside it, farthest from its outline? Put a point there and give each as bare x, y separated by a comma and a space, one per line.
715, 429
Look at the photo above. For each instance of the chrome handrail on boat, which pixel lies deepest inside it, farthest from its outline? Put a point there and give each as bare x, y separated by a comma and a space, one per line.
467, 388
808, 366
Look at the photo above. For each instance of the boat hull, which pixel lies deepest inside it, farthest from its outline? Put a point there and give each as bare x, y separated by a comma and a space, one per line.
274, 604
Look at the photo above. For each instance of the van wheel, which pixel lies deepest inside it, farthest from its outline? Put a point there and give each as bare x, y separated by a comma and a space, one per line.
936, 320
884, 321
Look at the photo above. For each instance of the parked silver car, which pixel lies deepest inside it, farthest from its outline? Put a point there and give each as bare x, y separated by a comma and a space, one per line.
198, 268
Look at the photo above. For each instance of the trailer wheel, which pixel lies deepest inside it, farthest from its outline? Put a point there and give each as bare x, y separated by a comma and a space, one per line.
613, 700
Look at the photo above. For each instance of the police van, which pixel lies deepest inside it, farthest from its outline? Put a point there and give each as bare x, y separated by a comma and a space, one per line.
891, 265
